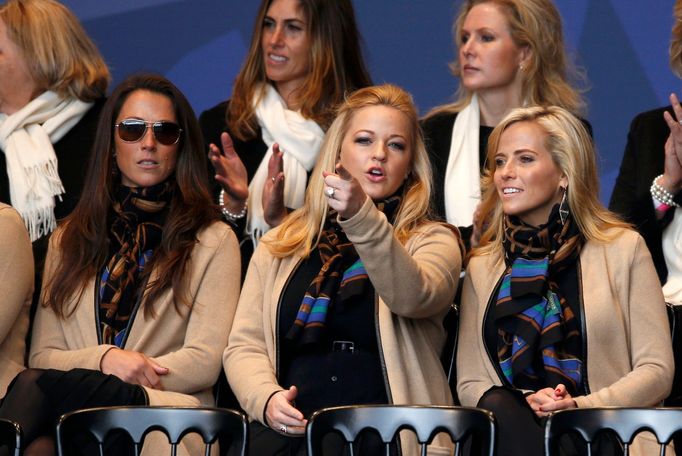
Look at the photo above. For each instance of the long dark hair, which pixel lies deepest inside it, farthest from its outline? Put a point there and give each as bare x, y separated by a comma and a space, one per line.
83, 239
337, 66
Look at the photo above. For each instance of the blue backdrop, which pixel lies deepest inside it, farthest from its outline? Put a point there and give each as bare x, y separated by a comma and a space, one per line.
199, 44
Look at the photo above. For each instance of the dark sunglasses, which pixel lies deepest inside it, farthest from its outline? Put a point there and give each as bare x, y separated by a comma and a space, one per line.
133, 130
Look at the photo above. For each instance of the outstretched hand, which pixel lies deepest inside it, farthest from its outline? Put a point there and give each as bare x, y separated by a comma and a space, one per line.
230, 173
343, 192
274, 209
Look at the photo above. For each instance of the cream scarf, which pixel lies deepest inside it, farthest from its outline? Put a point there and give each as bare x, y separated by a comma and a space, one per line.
26, 138
672, 252
462, 175
299, 138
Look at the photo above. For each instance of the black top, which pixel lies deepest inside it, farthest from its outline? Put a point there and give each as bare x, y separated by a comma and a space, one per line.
438, 138
73, 152
568, 282
327, 373
643, 160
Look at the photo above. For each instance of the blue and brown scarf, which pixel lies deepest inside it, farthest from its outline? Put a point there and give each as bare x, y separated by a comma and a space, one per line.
137, 220
342, 276
539, 337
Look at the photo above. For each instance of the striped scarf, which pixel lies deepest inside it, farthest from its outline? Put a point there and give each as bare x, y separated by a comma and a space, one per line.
342, 277
539, 338
136, 230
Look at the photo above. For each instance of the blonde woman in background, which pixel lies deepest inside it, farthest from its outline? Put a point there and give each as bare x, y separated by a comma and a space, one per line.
510, 53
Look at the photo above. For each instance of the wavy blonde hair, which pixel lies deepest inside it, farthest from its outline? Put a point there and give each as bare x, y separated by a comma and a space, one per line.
572, 151
676, 40
535, 24
59, 53
300, 231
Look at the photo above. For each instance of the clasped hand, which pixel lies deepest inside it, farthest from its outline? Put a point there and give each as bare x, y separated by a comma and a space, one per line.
133, 367
549, 400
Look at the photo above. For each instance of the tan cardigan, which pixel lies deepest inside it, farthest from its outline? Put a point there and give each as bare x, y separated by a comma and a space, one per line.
189, 345
16, 290
629, 350
415, 285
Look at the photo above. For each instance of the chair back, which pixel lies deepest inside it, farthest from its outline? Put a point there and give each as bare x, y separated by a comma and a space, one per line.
10, 435
624, 423
137, 422
388, 420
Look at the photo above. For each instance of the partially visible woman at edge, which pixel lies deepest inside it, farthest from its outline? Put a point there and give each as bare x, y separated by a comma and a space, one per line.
16, 289
358, 281
304, 57
52, 86
561, 306
141, 280
511, 53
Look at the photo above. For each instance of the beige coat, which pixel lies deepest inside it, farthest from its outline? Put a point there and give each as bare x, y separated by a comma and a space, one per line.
415, 285
189, 344
16, 291
629, 350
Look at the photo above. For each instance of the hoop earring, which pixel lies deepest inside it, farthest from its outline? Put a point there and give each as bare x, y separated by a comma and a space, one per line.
563, 207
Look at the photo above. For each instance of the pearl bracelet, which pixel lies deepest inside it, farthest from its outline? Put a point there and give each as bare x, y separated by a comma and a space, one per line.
229, 215
661, 194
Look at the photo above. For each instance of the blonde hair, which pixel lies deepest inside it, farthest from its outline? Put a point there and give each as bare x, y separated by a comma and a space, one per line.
59, 53
336, 66
300, 231
676, 40
535, 24
572, 151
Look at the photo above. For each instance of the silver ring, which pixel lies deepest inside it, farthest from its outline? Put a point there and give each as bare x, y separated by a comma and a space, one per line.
273, 178
329, 191
283, 428
680, 122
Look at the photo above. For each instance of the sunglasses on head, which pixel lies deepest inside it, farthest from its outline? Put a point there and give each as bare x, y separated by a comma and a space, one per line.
133, 130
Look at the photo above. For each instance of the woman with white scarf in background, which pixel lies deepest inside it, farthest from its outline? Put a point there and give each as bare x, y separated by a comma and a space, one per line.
304, 57
511, 53
52, 86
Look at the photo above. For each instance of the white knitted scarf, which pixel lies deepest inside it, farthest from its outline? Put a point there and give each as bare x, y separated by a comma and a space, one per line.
462, 175
299, 138
26, 138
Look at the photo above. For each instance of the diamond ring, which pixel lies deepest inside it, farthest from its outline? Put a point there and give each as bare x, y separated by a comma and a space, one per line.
329, 191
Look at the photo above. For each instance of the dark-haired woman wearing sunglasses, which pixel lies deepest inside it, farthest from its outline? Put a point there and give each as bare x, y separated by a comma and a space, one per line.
141, 281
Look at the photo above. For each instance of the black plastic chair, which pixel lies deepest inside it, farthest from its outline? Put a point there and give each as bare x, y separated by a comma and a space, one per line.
10, 435
137, 422
388, 420
625, 423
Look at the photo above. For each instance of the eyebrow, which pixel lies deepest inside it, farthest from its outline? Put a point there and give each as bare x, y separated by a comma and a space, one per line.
287, 20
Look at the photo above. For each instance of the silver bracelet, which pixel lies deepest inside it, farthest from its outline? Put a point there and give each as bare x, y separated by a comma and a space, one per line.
229, 215
661, 194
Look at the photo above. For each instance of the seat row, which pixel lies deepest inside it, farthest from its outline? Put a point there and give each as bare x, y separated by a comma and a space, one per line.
230, 427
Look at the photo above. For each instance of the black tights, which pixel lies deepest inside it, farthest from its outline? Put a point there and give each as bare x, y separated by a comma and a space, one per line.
28, 406
37, 397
